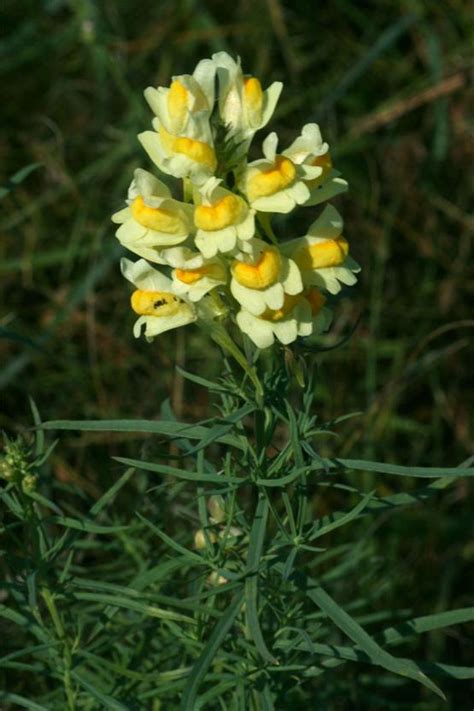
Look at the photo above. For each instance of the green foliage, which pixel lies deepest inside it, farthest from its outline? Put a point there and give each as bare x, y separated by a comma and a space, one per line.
251, 617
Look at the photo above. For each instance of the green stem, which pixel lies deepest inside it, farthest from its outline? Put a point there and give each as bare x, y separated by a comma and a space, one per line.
219, 334
265, 223
260, 435
67, 656
187, 190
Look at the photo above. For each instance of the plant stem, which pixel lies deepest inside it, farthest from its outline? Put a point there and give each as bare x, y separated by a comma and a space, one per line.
48, 598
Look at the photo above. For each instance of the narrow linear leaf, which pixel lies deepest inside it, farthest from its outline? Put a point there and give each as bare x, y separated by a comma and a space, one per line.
39, 442
257, 535
128, 604
178, 473
45, 502
216, 691
208, 384
455, 672
190, 555
378, 467
320, 529
396, 635
107, 701
85, 525
25, 622
423, 472
367, 644
218, 431
21, 701
188, 701
355, 654
110, 588
161, 427
266, 699
112, 492
427, 623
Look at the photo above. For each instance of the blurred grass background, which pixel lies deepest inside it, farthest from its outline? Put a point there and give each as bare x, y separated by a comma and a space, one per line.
388, 84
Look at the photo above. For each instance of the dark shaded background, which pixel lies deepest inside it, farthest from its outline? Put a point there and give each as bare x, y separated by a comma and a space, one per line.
388, 83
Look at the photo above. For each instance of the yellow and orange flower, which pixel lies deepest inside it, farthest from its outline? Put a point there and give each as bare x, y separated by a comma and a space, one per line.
223, 220
261, 280
322, 255
153, 220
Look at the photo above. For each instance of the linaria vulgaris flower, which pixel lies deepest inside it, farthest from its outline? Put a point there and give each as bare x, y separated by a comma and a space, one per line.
220, 260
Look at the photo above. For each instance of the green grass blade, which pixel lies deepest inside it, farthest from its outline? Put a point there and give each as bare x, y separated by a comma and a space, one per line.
385, 40
18, 178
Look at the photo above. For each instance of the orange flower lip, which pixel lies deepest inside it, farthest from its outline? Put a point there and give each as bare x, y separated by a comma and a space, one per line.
198, 151
328, 253
191, 276
223, 213
157, 219
270, 181
260, 275
155, 303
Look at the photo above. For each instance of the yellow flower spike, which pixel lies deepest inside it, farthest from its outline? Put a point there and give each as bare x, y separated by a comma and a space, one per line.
177, 101
157, 219
198, 151
223, 213
154, 303
261, 274
327, 253
268, 182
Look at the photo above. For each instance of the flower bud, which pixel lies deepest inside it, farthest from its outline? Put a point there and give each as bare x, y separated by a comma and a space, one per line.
200, 541
29, 483
216, 507
215, 579
6, 470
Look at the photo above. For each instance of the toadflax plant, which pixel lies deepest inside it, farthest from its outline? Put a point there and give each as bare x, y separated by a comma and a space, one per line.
221, 590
